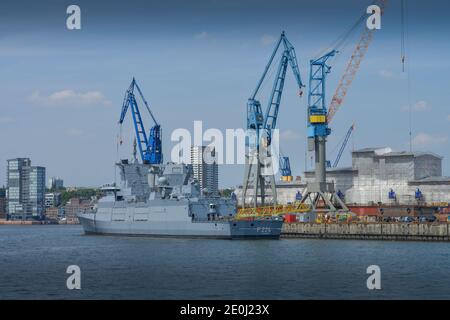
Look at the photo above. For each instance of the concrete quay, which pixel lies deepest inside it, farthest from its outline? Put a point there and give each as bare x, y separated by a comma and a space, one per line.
369, 231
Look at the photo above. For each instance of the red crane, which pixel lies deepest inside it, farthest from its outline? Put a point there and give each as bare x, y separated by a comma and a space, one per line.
352, 68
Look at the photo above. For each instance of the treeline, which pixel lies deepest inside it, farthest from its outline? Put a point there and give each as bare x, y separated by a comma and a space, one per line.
226, 192
85, 193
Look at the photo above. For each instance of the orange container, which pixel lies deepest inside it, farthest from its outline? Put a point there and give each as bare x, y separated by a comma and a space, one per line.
290, 218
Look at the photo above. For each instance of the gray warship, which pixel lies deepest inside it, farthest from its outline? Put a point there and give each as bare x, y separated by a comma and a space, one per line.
165, 201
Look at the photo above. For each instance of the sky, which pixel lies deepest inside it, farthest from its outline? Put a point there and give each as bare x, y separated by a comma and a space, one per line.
62, 90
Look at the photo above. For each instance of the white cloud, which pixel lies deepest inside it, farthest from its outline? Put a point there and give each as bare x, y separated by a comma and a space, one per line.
386, 74
448, 118
201, 35
290, 135
70, 98
6, 120
419, 106
73, 132
425, 139
267, 40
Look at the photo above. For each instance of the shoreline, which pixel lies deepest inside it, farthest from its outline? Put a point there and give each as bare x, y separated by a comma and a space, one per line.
33, 223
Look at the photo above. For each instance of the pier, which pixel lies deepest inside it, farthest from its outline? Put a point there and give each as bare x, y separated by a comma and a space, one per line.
369, 231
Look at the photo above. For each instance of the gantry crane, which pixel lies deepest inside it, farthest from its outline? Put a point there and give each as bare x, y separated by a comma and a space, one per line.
259, 172
150, 147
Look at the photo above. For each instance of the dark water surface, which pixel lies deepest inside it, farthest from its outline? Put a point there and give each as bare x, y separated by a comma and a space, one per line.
33, 262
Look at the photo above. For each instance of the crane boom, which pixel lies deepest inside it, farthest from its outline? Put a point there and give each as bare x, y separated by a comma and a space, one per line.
344, 144
289, 48
352, 68
350, 73
271, 116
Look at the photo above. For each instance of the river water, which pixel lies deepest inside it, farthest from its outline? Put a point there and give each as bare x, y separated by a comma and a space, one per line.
34, 259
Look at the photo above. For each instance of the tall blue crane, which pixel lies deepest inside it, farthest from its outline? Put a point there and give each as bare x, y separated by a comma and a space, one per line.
317, 132
317, 110
150, 147
261, 125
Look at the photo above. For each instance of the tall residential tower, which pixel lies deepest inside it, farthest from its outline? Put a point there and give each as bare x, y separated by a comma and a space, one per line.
205, 168
25, 190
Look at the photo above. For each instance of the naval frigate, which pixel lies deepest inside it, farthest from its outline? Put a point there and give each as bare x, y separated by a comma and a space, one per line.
166, 201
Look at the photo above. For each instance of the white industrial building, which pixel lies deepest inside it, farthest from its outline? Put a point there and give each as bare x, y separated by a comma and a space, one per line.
374, 172
380, 170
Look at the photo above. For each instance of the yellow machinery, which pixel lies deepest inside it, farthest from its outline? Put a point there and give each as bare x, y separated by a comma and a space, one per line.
270, 211
286, 178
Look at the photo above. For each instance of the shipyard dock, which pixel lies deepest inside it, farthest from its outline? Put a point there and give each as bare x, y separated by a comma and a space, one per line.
369, 231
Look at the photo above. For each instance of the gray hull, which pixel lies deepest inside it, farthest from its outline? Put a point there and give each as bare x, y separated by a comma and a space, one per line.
174, 207
232, 229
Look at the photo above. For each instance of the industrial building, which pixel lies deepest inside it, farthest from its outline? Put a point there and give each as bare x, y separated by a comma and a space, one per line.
397, 177
205, 168
25, 190
380, 175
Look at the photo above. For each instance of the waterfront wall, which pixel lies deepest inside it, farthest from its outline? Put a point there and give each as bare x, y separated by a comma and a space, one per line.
30, 222
374, 231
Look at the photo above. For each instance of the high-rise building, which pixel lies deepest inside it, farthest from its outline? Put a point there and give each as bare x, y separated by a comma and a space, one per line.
205, 168
25, 191
2, 203
55, 183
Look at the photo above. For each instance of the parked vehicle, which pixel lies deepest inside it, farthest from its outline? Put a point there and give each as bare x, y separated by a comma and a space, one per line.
425, 219
407, 219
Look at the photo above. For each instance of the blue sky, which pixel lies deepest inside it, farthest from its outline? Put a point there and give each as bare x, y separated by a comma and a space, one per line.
200, 60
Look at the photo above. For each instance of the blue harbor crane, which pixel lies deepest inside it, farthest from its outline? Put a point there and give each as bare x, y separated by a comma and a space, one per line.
318, 129
261, 124
150, 147
317, 133
285, 169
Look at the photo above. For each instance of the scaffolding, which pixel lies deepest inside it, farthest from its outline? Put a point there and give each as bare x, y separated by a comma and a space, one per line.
272, 211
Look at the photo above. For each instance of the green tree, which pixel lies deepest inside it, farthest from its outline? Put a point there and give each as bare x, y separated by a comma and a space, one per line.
84, 193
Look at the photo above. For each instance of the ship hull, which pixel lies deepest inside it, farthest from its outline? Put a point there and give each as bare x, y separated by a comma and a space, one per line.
229, 229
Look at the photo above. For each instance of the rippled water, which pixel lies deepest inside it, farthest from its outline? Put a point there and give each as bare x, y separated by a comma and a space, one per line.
33, 262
